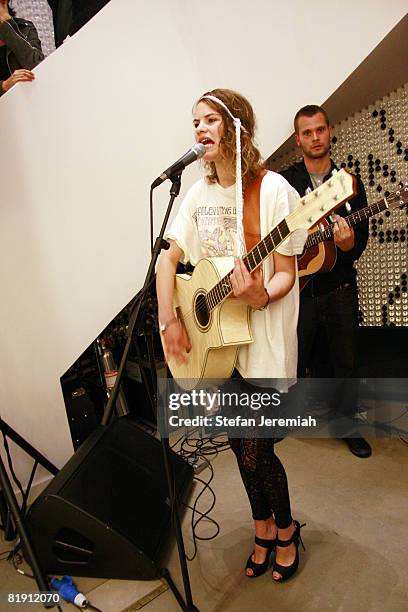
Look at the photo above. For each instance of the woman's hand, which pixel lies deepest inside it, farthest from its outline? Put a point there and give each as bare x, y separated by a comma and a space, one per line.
18, 76
249, 286
176, 342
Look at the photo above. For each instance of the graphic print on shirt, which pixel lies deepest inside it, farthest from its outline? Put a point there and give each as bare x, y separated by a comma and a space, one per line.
217, 228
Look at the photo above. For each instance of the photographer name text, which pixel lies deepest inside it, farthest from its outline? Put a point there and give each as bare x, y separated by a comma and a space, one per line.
240, 421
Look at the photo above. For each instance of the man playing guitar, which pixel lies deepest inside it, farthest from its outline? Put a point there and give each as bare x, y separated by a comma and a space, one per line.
329, 300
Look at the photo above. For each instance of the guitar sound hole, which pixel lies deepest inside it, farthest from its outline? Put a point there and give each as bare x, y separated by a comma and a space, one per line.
201, 310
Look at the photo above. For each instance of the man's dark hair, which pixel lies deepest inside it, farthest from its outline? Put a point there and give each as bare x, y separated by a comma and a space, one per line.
309, 111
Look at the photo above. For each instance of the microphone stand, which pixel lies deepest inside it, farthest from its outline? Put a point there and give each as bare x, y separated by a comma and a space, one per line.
135, 324
12, 506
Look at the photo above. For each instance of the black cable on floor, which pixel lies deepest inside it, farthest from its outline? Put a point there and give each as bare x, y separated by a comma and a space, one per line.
16, 559
195, 448
202, 446
202, 515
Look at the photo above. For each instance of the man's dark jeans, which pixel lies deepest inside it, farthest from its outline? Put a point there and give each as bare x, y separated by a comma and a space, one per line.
337, 314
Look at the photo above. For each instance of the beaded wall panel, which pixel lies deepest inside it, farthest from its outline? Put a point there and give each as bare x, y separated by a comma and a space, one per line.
373, 144
39, 12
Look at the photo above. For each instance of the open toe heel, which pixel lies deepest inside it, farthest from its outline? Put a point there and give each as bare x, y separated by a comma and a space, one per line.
260, 568
287, 571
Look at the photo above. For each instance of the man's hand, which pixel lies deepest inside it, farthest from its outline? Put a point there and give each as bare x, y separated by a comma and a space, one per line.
249, 287
343, 234
4, 13
177, 343
18, 76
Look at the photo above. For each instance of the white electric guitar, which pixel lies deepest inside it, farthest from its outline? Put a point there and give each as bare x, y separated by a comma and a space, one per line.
218, 323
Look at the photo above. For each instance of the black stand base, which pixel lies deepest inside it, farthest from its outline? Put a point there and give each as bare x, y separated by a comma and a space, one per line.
186, 608
14, 509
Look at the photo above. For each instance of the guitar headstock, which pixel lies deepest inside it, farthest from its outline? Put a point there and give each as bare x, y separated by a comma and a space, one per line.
398, 198
319, 203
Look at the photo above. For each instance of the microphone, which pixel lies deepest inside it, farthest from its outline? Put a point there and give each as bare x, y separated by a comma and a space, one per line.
196, 151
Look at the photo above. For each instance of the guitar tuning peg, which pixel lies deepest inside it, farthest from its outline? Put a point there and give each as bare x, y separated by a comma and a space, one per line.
334, 171
308, 190
321, 228
348, 207
332, 219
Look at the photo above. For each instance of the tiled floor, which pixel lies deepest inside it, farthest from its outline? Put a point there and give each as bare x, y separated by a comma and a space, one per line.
357, 549
107, 595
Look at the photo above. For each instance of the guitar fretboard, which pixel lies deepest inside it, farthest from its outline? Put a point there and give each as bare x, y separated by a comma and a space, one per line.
252, 260
353, 219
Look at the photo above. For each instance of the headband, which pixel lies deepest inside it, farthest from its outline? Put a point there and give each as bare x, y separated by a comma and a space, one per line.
238, 174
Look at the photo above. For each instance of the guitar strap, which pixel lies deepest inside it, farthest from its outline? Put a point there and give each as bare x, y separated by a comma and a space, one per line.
252, 223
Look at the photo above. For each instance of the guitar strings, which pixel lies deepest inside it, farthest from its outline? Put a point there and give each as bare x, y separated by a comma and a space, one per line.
267, 244
272, 237
394, 199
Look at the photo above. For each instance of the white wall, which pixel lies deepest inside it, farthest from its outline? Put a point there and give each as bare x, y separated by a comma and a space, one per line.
108, 111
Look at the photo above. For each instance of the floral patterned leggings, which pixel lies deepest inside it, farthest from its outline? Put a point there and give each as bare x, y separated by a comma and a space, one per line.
264, 479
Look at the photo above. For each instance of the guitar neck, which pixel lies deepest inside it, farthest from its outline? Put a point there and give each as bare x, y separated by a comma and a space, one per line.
252, 260
352, 220
312, 207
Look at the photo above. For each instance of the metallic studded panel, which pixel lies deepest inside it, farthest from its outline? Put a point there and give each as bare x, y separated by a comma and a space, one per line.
373, 144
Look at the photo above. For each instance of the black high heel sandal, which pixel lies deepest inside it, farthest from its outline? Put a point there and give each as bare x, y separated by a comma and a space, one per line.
286, 571
260, 568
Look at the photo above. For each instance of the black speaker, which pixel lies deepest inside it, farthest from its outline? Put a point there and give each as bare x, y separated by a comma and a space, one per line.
107, 513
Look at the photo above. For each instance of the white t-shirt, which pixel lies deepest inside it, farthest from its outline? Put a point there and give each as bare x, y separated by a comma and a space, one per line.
205, 226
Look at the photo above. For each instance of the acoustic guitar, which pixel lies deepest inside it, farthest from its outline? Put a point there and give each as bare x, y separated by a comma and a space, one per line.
218, 323
320, 252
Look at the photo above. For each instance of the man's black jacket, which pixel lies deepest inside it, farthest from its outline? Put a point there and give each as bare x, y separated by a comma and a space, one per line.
343, 271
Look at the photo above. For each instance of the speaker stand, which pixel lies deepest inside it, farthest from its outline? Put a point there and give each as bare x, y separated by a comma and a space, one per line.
14, 509
166, 575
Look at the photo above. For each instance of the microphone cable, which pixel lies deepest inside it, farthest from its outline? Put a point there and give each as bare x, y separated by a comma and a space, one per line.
202, 515
195, 448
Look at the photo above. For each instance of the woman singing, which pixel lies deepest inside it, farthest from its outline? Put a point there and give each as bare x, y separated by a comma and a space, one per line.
209, 223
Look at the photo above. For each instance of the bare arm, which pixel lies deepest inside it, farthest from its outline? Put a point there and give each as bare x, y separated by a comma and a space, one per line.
251, 289
284, 278
175, 337
165, 276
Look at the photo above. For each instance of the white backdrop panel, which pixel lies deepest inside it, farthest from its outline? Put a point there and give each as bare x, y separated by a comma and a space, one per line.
108, 111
